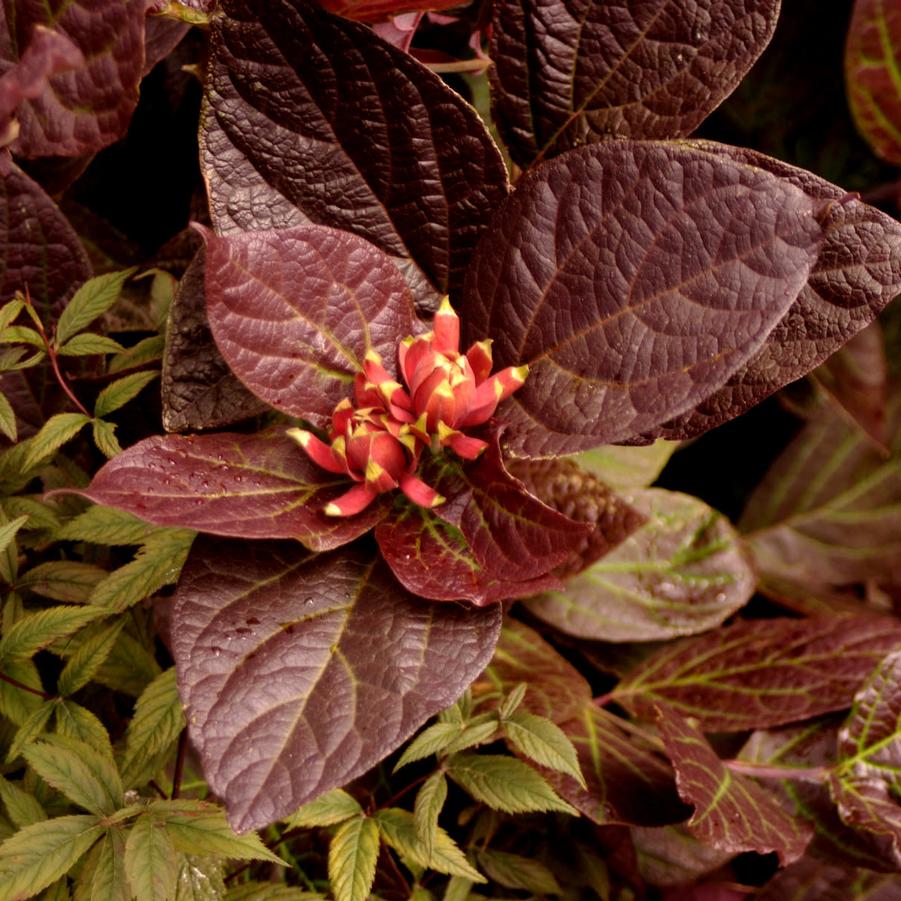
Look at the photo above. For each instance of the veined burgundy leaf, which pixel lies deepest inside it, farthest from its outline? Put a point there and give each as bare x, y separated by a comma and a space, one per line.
682, 572
300, 672
857, 273
161, 36
491, 540
198, 389
569, 72
556, 689
811, 879
873, 75
734, 678
295, 311
248, 486
634, 278
672, 856
313, 118
90, 106
732, 812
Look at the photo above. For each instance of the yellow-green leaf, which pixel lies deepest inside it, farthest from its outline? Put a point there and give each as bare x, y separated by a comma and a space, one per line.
91, 300
120, 392
105, 438
106, 525
429, 800
22, 807
328, 809
352, 857
87, 344
70, 581
151, 861
544, 742
90, 656
37, 630
54, 433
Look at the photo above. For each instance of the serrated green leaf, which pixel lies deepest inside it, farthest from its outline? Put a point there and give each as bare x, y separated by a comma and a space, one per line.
157, 563
40, 515
429, 800
87, 778
131, 666
109, 881
21, 334
458, 889
57, 891
352, 857
478, 730
10, 310
88, 344
91, 300
8, 419
120, 392
16, 704
505, 784
199, 827
270, 891
105, 439
37, 630
328, 809
544, 742
33, 726
398, 830
151, 861
517, 872
21, 806
38, 855
54, 433
70, 581
90, 656
146, 351
200, 879
75, 721
432, 740
107, 526
511, 703
8, 532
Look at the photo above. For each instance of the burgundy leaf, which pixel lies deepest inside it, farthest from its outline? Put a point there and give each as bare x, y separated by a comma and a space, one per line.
857, 273
247, 486
198, 389
569, 72
301, 672
671, 855
734, 678
815, 880
732, 812
872, 75
312, 118
682, 572
161, 36
633, 278
90, 106
295, 311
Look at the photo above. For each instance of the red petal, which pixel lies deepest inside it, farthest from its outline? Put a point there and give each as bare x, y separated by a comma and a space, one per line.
351, 502
420, 493
464, 446
479, 357
318, 451
446, 326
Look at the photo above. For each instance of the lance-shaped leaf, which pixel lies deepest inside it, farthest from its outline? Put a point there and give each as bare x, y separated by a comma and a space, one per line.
572, 72
198, 389
682, 572
634, 279
865, 783
735, 678
249, 486
491, 539
856, 274
300, 672
732, 812
628, 467
873, 75
312, 118
87, 107
295, 311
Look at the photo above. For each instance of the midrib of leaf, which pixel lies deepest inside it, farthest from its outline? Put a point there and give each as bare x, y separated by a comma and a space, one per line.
888, 51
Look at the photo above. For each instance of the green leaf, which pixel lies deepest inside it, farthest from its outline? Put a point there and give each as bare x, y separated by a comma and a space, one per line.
89, 779
271, 891
624, 467
53, 434
57, 891
429, 800
544, 742
151, 861
38, 855
511, 703
432, 740
21, 806
478, 731
40, 514
131, 666
120, 392
91, 300
200, 879
398, 830
90, 656
37, 630
517, 872
505, 784
352, 857
16, 704
329, 809
199, 827
33, 726
15, 334
458, 889
157, 563
105, 438
106, 525
109, 881
8, 532
8, 419
77, 722
10, 310
146, 351
88, 344
70, 581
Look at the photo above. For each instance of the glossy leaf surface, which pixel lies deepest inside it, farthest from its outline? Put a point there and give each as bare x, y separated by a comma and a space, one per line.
312, 118
682, 572
248, 486
578, 71
295, 311
662, 272
300, 672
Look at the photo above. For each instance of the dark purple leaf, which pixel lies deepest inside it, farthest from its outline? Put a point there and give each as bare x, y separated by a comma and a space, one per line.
198, 389
857, 273
732, 812
301, 672
295, 311
815, 880
312, 118
734, 678
671, 855
88, 107
161, 36
634, 279
249, 486
569, 72
682, 572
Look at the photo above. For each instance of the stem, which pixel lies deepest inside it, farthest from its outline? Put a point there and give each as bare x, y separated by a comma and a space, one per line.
17, 684
179, 764
766, 771
392, 801
153, 784
400, 876
603, 700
